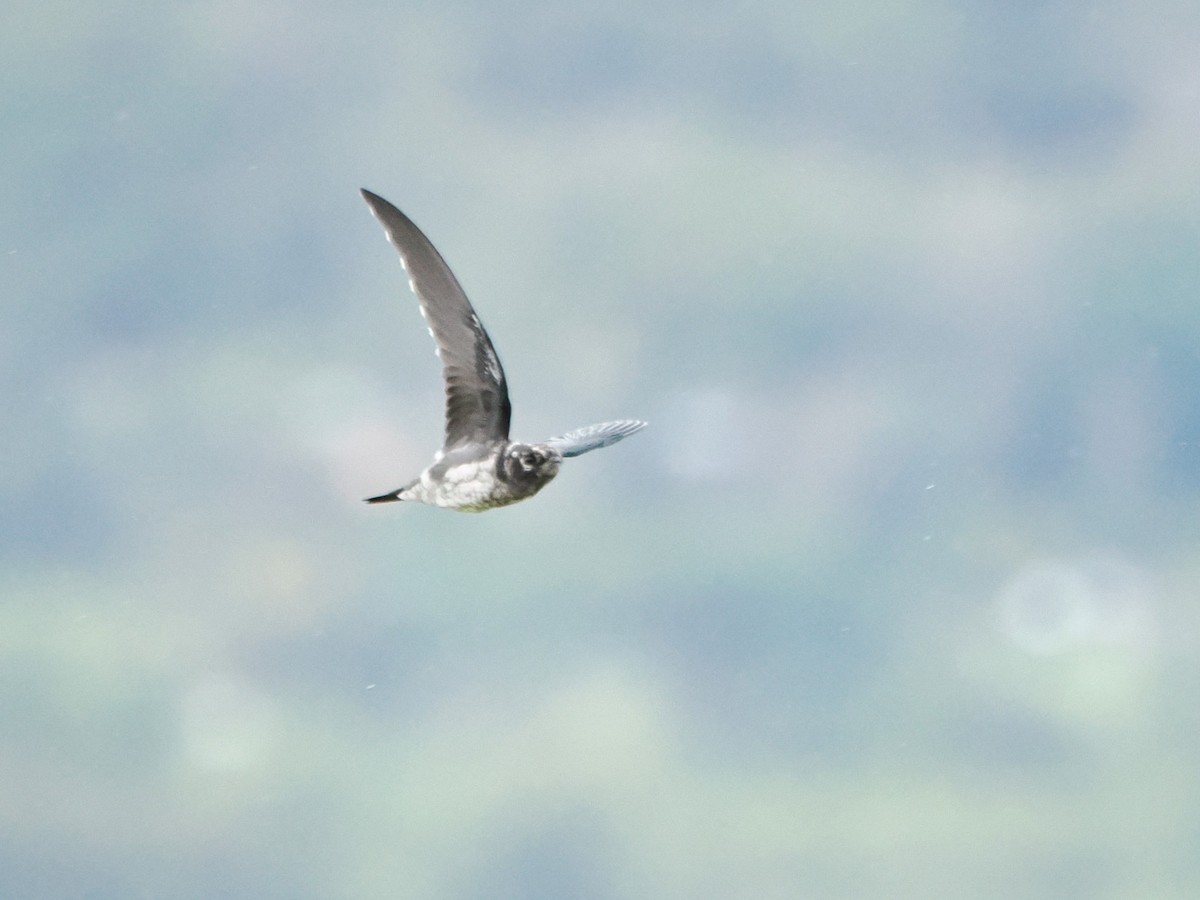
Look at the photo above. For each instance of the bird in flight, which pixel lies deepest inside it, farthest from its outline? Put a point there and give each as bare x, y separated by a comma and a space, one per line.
478, 467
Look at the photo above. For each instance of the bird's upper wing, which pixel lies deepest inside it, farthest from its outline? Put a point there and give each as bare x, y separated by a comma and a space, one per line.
477, 407
593, 437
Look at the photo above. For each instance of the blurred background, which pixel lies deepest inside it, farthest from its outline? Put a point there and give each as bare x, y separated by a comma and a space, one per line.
895, 598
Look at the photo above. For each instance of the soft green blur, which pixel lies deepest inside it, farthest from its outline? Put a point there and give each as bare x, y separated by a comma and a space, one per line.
896, 597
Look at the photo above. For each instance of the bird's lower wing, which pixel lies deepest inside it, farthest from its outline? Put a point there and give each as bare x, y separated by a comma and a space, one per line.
593, 437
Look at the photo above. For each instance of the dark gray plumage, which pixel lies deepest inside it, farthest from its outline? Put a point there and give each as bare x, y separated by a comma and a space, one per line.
478, 468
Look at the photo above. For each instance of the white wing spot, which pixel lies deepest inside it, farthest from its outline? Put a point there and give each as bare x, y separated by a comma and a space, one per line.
492, 365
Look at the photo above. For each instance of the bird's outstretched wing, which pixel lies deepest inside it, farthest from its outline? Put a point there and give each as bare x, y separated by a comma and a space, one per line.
477, 407
593, 437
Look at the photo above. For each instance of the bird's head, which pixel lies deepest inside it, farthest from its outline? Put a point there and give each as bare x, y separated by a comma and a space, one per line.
530, 464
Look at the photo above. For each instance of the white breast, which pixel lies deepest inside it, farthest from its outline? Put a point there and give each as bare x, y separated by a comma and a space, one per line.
464, 486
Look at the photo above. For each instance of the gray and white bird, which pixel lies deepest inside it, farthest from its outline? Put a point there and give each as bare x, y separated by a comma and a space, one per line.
478, 467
